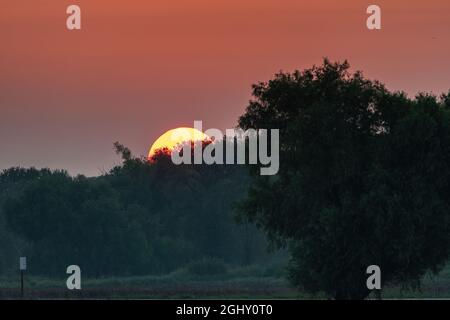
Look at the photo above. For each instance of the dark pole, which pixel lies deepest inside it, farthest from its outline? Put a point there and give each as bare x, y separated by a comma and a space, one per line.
21, 284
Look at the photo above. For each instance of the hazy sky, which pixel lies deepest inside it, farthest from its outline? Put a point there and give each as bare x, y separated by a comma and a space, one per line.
138, 67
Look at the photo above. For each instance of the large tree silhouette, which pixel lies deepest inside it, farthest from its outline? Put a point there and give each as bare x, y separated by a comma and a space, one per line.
364, 179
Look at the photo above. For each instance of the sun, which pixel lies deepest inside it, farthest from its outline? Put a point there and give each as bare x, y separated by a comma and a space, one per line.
175, 137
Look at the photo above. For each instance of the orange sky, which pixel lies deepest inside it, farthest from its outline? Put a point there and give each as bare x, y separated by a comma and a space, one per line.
139, 67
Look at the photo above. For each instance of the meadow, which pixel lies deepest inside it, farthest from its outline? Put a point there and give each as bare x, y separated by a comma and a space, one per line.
251, 282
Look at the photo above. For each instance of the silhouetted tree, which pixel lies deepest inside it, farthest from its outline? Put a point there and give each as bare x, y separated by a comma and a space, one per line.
364, 179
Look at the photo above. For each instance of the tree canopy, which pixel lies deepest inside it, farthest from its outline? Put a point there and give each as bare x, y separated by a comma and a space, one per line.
363, 180
142, 217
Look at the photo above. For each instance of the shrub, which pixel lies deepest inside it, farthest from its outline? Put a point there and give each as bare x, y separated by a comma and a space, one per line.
207, 267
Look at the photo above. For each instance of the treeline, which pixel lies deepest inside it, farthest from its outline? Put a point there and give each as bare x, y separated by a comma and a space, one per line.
140, 218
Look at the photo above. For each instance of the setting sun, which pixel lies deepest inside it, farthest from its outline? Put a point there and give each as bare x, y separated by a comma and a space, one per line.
175, 137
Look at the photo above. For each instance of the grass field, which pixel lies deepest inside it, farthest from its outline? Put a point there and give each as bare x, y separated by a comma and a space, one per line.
239, 283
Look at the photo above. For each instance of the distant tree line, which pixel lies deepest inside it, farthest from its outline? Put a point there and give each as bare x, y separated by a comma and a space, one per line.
142, 217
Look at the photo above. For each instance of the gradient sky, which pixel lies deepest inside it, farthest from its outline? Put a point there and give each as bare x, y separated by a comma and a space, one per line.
138, 68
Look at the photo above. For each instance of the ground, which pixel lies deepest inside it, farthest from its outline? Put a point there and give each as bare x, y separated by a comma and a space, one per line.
240, 283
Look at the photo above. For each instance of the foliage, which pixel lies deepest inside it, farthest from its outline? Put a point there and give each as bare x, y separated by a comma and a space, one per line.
364, 178
207, 267
142, 217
